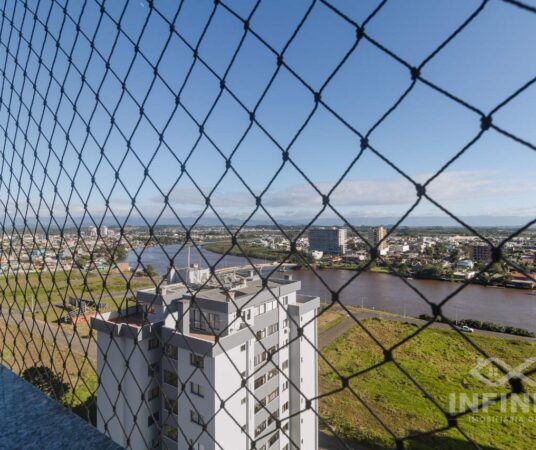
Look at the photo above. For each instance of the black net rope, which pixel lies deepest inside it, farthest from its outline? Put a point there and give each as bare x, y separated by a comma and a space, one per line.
60, 128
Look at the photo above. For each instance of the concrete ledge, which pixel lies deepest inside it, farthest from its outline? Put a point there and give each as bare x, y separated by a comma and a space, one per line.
31, 420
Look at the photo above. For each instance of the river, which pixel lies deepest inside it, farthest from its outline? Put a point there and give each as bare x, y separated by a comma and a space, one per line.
381, 291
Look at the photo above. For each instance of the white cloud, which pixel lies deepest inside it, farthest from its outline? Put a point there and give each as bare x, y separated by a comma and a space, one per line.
469, 192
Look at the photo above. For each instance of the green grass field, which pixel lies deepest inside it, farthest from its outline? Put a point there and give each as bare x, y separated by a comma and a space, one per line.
252, 251
440, 361
24, 348
49, 291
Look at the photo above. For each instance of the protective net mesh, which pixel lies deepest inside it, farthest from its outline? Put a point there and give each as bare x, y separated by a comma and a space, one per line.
99, 103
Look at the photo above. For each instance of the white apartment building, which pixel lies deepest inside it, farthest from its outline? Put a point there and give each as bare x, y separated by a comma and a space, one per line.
377, 239
184, 387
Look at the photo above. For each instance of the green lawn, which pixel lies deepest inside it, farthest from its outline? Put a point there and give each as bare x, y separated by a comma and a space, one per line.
253, 251
24, 349
440, 361
50, 291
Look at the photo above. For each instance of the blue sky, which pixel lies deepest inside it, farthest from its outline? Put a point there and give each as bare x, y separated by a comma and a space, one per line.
489, 60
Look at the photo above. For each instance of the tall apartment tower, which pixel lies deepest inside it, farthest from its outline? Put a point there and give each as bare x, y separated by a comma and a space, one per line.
480, 253
218, 369
331, 241
375, 236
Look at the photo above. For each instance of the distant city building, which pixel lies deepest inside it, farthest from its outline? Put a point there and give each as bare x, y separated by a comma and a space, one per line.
400, 248
480, 253
103, 231
465, 264
330, 241
375, 236
92, 231
520, 280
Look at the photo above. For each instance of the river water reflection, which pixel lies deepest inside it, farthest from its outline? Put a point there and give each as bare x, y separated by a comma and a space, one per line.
382, 291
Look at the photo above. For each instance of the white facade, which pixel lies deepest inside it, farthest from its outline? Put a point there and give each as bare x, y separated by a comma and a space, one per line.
231, 365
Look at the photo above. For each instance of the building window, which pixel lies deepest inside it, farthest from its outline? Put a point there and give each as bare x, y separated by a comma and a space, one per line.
285, 323
197, 418
196, 446
260, 381
272, 373
196, 318
171, 432
206, 321
260, 405
284, 407
170, 405
153, 418
197, 389
285, 427
272, 417
273, 439
153, 343
285, 300
243, 401
243, 348
285, 385
285, 447
171, 351
153, 369
260, 358
197, 360
273, 395
260, 428
261, 334
171, 378
285, 364
153, 393
213, 321
273, 328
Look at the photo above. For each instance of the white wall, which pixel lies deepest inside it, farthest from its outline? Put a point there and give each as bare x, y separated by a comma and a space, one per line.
128, 401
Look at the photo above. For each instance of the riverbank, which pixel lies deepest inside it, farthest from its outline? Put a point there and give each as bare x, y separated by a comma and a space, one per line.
382, 291
252, 251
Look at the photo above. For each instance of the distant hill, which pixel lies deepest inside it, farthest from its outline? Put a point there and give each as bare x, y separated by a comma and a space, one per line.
412, 221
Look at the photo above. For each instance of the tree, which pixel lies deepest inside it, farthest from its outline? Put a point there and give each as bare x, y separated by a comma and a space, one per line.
46, 380
150, 270
432, 271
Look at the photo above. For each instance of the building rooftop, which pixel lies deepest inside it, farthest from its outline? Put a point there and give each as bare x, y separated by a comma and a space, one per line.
248, 288
134, 319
